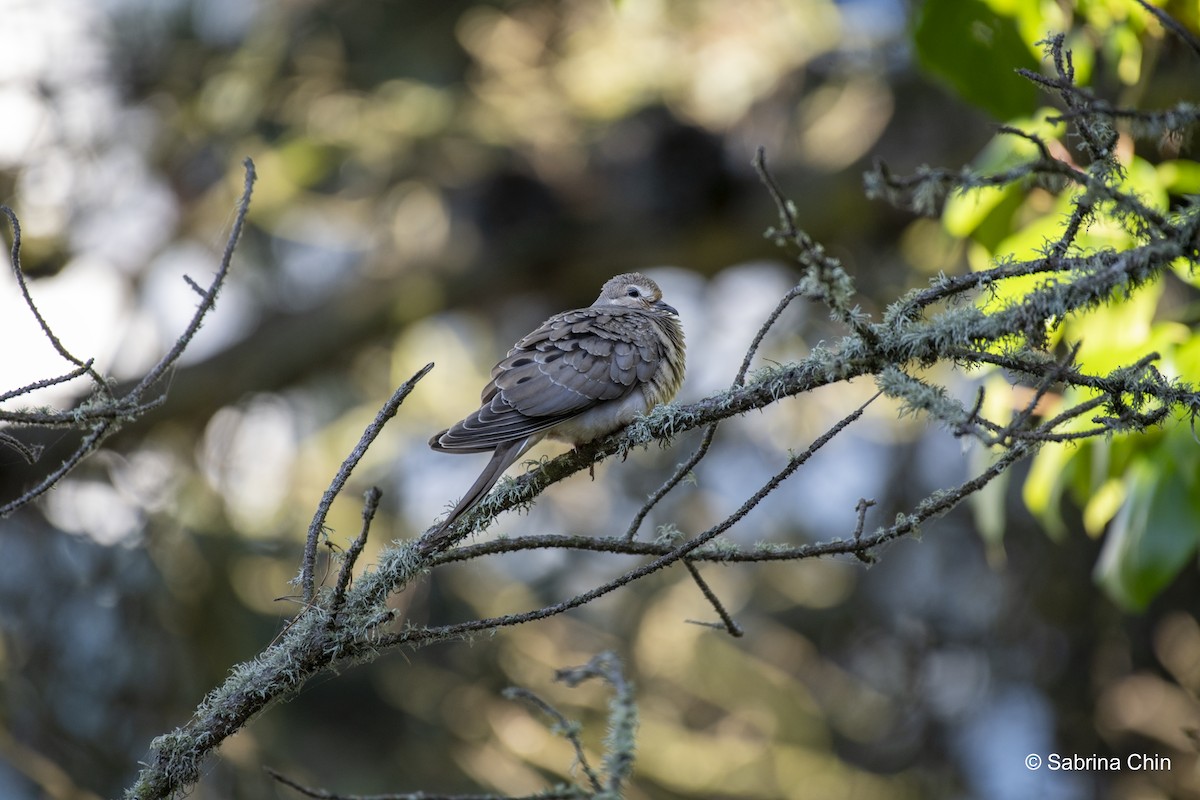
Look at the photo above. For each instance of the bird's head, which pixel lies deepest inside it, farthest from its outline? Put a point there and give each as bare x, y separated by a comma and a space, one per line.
633, 290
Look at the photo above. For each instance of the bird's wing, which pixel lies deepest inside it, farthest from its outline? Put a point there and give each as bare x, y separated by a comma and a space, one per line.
573, 362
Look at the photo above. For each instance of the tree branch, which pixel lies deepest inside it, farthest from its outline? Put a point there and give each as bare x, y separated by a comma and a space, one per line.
104, 414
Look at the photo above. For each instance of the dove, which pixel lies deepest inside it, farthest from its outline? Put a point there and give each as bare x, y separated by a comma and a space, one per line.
580, 375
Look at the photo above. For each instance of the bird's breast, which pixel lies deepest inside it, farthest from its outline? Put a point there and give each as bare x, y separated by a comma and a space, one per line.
667, 379
602, 419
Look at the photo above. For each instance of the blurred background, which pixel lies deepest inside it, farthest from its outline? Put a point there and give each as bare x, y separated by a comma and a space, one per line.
434, 180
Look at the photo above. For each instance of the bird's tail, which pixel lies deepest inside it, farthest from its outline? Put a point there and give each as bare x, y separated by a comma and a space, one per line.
503, 457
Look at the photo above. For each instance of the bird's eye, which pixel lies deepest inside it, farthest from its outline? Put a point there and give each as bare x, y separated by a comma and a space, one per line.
632, 291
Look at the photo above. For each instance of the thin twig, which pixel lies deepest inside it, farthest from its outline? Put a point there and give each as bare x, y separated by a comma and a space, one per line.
370, 507
209, 297
82, 369
1051, 377
622, 717
27, 453
562, 725
681, 472
783, 206
731, 625
85, 448
101, 385
1171, 24
317, 526
946, 287
861, 507
1029, 137
825, 272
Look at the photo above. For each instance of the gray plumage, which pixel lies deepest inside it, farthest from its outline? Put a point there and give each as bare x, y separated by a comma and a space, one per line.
581, 375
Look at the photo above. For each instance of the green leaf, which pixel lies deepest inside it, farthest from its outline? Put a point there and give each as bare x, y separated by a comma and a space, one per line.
976, 50
1153, 536
1044, 486
966, 213
1180, 177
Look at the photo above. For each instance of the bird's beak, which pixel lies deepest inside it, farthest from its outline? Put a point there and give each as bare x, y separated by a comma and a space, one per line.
661, 306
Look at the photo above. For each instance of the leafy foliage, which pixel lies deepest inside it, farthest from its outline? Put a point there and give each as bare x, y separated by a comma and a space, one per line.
1131, 482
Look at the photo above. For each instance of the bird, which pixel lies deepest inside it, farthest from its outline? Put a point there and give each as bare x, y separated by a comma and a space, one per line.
580, 375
